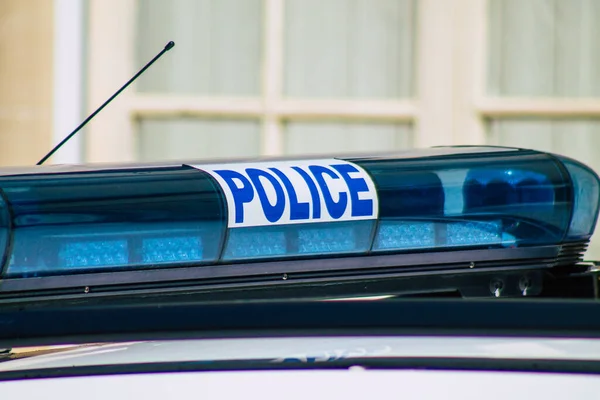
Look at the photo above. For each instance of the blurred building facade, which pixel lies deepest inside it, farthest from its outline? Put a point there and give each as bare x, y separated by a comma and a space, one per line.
26, 54
270, 77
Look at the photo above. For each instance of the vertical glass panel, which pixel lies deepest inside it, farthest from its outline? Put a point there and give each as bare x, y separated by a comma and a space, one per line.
195, 139
218, 46
340, 48
544, 48
338, 137
578, 139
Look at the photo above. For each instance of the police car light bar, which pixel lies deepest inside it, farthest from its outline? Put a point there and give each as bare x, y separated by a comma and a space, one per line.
498, 206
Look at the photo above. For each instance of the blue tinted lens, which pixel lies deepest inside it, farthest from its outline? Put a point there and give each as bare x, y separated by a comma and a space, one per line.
405, 235
171, 249
493, 200
586, 196
487, 188
97, 253
300, 239
118, 219
332, 239
410, 193
254, 243
473, 233
423, 235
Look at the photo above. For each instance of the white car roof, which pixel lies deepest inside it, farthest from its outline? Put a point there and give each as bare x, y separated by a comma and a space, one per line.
312, 384
308, 349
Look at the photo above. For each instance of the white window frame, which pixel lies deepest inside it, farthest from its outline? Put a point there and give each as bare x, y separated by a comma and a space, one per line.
68, 84
450, 106
111, 59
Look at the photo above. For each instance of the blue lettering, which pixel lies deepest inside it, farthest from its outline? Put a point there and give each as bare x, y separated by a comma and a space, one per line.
314, 193
273, 212
242, 195
360, 207
336, 209
297, 210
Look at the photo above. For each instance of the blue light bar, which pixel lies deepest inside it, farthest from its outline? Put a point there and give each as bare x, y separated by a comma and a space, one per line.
441, 200
106, 221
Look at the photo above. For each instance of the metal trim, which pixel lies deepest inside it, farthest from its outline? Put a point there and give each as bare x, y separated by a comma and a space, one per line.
467, 259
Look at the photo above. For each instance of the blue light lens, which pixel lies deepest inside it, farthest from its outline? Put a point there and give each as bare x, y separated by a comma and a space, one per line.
586, 198
496, 200
474, 233
328, 239
246, 243
171, 249
97, 253
415, 193
485, 189
405, 235
426, 235
123, 219
300, 239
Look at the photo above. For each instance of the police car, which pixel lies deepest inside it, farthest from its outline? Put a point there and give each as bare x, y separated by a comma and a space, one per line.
224, 278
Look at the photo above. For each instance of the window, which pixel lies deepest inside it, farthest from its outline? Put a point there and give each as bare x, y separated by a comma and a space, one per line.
349, 49
344, 137
272, 77
542, 55
297, 64
218, 46
197, 139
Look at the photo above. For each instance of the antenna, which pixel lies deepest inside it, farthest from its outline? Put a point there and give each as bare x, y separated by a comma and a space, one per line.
168, 47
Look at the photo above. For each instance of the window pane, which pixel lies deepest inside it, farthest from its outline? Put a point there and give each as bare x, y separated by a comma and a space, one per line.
217, 50
544, 47
194, 139
335, 138
578, 139
340, 48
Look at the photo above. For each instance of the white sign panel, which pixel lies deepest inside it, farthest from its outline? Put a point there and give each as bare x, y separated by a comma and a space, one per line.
295, 192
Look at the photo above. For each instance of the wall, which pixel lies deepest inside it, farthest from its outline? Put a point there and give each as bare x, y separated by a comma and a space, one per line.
26, 47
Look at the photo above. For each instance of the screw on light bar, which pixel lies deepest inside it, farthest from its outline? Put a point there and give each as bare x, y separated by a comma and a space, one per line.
220, 214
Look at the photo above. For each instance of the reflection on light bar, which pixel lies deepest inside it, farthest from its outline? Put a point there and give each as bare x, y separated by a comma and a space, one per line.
586, 194
363, 298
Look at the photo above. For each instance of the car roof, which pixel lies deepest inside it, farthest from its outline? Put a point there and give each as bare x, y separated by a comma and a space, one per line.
309, 349
332, 384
